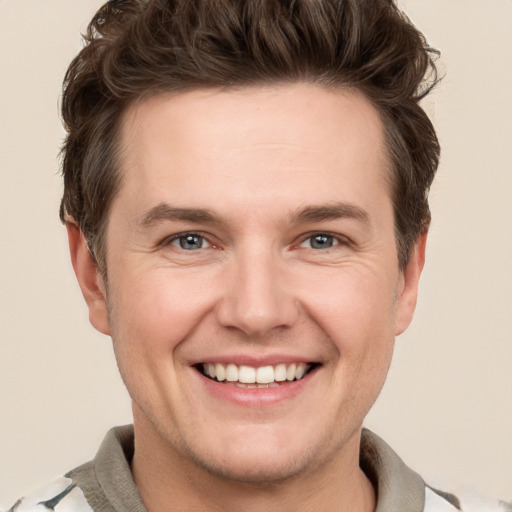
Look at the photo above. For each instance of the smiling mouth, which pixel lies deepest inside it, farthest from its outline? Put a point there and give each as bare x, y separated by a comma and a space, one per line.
261, 377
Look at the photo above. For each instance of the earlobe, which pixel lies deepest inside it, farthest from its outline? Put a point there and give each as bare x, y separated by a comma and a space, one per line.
409, 290
89, 278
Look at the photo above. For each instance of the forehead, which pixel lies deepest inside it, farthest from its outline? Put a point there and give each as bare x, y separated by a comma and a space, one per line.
255, 147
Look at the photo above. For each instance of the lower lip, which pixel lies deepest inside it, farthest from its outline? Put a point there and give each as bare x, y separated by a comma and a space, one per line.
256, 397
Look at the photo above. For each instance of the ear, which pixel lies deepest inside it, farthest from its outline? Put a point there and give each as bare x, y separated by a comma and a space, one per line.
89, 278
408, 292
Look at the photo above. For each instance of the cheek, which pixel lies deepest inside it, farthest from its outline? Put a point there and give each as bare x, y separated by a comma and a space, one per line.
354, 306
151, 315
158, 309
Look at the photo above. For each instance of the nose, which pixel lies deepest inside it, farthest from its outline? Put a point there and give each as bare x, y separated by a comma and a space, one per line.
258, 296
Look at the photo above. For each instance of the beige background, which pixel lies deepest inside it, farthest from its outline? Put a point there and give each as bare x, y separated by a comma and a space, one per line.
447, 406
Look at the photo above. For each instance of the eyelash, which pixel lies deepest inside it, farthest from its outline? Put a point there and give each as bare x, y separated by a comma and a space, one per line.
187, 234
336, 238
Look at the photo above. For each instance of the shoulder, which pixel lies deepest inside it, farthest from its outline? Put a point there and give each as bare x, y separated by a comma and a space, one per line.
402, 489
465, 501
61, 495
104, 484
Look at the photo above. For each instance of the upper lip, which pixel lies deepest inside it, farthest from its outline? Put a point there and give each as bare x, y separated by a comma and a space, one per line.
254, 361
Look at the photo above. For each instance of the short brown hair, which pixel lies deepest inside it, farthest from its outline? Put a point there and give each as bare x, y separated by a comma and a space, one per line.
136, 48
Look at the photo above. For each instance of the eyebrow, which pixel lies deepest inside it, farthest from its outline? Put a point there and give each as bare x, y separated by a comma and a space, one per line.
320, 213
165, 212
330, 212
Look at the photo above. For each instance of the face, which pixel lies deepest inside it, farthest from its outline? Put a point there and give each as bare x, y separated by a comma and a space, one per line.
254, 291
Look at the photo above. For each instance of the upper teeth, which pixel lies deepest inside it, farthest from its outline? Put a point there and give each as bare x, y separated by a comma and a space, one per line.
261, 375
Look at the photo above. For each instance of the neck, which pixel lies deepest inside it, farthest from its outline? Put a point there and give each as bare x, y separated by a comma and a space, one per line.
165, 476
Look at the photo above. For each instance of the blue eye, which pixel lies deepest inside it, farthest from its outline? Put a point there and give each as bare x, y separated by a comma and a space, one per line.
320, 241
189, 242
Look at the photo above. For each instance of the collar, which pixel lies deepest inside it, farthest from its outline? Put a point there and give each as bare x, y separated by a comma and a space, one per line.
397, 486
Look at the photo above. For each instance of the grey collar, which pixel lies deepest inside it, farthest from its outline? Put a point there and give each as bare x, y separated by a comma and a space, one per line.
398, 488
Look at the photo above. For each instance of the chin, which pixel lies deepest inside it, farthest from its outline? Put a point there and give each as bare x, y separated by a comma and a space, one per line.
254, 459
253, 470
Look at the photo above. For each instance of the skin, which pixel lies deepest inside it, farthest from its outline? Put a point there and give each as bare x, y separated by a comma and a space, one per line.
274, 167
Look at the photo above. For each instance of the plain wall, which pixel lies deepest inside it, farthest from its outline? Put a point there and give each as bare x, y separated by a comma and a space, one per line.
446, 408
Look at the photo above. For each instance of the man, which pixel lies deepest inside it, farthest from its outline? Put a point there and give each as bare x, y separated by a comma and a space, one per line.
246, 202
